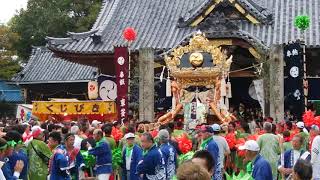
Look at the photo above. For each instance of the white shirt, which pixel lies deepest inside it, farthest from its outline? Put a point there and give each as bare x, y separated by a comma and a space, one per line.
77, 142
2, 177
296, 156
315, 157
128, 161
223, 147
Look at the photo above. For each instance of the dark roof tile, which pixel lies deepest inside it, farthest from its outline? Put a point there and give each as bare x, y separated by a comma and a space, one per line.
44, 67
156, 23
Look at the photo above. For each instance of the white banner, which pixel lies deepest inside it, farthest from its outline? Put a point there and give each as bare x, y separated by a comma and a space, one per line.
258, 86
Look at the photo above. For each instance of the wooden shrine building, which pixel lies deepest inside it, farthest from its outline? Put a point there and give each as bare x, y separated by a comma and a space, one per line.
253, 31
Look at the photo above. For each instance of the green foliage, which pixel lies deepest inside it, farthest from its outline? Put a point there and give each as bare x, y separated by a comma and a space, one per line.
51, 18
8, 66
302, 22
116, 158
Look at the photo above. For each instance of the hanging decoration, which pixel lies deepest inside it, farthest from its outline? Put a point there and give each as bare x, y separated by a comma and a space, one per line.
308, 118
129, 34
229, 93
184, 143
116, 158
93, 90
168, 85
231, 140
117, 134
184, 157
302, 22
241, 176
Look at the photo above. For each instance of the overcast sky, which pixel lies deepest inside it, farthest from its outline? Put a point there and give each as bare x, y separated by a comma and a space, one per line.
8, 8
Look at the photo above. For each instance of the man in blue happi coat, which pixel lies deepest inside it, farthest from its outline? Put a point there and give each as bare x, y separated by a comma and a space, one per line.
261, 167
290, 157
14, 141
6, 172
169, 153
131, 156
102, 152
152, 165
210, 145
67, 161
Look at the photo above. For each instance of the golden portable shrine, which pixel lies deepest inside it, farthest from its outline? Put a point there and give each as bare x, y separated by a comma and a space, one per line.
199, 71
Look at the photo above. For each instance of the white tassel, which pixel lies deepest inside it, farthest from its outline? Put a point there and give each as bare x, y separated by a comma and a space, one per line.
168, 85
221, 103
161, 75
173, 104
226, 103
223, 88
229, 93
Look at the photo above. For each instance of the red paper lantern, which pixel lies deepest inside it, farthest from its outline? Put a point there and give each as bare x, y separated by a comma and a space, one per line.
129, 34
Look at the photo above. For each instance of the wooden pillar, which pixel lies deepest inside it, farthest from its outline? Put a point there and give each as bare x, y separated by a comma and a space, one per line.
146, 84
276, 83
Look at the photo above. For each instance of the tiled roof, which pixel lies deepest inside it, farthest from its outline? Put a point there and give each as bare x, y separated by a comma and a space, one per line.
10, 93
11, 96
282, 30
154, 20
260, 13
44, 67
156, 23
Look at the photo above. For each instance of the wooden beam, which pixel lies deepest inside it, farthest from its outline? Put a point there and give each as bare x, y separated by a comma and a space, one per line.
242, 74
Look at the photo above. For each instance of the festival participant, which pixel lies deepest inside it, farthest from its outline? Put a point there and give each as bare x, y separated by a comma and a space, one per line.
152, 165
54, 139
107, 129
209, 144
304, 133
66, 161
130, 129
302, 170
6, 173
314, 131
192, 171
288, 126
14, 154
292, 156
14, 139
270, 147
261, 167
96, 124
102, 152
242, 130
169, 153
242, 114
287, 141
27, 133
39, 155
131, 156
172, 140
224, 149
204, 159
315, 157
75, 130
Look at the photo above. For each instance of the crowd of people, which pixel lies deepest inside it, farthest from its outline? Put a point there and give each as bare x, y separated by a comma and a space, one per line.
130, 151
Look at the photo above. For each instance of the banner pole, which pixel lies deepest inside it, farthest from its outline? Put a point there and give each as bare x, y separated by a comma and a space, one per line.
305, 80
